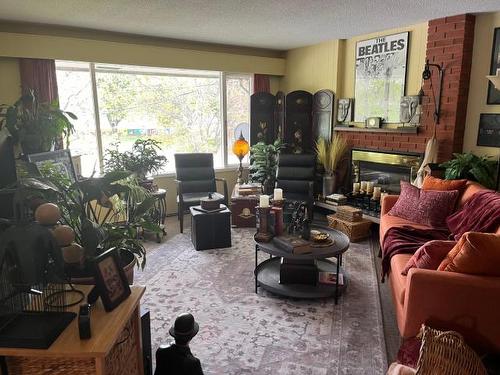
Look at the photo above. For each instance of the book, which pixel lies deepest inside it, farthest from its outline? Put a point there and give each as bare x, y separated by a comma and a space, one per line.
330, 278
292, 244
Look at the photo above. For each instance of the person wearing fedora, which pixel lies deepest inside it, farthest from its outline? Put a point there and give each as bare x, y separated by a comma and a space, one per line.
177, 358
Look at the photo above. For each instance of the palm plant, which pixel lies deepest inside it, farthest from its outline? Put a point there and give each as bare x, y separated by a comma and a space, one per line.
471, 167
264, 162
330, 153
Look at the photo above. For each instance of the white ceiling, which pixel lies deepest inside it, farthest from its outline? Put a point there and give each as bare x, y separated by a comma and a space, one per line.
274, 24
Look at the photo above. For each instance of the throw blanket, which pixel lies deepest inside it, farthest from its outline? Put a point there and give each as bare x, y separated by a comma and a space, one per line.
481, 213
406, 240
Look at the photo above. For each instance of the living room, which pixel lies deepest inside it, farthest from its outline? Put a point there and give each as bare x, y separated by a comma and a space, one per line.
317, 184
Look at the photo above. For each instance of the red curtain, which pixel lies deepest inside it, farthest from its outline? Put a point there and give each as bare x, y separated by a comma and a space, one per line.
261, 83
39, 75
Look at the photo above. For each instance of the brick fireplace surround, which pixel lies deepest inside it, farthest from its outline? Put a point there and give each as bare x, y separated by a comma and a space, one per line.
449, 42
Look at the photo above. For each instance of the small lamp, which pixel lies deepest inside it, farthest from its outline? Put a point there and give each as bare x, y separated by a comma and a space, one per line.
240, 149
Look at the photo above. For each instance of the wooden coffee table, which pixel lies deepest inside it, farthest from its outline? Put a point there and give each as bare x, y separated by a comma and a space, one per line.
267, 273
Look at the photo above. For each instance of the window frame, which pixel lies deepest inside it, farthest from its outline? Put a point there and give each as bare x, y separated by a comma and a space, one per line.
223, 76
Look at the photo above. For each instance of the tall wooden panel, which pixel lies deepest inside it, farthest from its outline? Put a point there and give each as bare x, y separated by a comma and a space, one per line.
298, 121
279, 116
322, 115
262, 105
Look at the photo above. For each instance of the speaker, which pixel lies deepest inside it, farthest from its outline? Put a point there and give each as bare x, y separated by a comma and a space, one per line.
279, 116
322, 115
147, 356
298, 122
262, 106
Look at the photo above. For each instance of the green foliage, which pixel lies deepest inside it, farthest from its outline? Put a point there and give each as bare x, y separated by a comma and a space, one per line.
471, 167
142, 160
263, 163
36, 126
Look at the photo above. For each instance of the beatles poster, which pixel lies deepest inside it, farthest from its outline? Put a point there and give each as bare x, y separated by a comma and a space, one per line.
380, 77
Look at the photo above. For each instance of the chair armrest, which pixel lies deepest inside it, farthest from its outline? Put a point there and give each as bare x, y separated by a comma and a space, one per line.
452, 300
178, 183
387, 203
223, 180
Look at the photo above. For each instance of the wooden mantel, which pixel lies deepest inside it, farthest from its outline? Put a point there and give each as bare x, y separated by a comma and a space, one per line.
407, 130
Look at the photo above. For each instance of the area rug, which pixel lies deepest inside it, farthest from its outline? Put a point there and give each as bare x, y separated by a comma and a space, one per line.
246, 333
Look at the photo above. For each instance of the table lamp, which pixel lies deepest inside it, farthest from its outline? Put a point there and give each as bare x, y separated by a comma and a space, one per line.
240, 149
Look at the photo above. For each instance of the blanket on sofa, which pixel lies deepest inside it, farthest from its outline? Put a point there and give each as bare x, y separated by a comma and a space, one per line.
481, 213
407, 240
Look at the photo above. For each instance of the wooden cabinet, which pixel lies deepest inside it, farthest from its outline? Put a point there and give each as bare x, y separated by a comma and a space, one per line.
114, 349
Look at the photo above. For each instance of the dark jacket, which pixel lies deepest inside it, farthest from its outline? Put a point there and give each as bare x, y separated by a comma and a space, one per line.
177, 360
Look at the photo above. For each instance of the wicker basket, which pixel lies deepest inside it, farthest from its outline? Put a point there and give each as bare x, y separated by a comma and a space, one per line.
445, 353
349, 213
356, 230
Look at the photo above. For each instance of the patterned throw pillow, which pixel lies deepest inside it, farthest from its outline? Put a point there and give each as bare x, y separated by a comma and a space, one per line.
427, 207
429, 256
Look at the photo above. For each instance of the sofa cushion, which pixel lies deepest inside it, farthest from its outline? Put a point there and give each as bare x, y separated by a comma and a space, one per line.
433, 183
476, 254
398, 281
424, 206
429, 256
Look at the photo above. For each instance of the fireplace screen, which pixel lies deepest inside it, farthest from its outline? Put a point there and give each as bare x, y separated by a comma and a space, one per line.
384, 169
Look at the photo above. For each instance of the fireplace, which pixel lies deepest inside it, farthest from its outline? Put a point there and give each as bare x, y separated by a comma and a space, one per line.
384, 169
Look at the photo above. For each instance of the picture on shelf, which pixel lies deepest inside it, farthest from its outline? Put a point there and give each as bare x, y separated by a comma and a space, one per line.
380, 77
330, 278
493, 93
489, 130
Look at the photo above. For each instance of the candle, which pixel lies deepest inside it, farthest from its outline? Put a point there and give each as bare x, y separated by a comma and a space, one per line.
355, 187
278, 194
369, 186
264, 201
376, 192
363, 185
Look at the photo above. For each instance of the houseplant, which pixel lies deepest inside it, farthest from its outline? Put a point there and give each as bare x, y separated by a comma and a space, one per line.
36, 126
263, 164
471, 167
77, 202
142, 160
329, 156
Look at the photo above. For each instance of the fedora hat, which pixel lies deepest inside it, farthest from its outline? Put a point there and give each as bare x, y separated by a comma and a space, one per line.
184, 327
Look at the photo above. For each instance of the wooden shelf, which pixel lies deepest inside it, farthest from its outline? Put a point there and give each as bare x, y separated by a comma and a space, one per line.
331, 207
407, 130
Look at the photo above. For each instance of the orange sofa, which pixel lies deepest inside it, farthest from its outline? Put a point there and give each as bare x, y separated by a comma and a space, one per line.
468, 304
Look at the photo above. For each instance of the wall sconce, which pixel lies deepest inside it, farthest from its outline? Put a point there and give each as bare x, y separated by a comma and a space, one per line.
426, 75
495, 79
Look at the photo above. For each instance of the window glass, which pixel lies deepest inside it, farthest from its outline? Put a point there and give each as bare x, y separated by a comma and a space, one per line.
238, 91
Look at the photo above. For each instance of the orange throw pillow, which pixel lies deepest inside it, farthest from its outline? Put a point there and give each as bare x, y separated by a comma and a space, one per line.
475, 254
433, 183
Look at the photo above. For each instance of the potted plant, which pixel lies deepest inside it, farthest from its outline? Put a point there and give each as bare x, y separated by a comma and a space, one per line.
263, 164
329, 156
142, 160
95, 232
471, 167
36, 126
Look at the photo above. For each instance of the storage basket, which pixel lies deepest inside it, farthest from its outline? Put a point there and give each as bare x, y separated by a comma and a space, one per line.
356, 230
349, 213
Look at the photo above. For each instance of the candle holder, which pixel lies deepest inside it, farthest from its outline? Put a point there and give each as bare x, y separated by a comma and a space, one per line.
263, 220
278, 203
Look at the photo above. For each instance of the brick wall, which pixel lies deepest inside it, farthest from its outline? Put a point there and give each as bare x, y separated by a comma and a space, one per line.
449, 42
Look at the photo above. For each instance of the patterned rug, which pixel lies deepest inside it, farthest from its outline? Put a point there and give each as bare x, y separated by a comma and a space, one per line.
246, 333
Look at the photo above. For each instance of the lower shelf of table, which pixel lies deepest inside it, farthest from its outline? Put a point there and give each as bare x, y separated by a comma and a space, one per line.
268, 278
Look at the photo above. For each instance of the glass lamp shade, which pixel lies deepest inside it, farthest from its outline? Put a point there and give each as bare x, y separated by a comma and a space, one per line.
241, 147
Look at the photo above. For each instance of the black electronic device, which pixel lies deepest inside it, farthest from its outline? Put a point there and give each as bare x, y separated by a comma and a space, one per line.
84, 321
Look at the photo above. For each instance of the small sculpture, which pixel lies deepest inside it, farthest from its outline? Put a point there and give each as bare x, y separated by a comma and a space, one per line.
345, 110
408, 112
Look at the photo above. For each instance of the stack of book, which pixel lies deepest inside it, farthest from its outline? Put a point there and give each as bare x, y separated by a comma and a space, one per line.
336, 199
330, 278
298, 271
249, 189
293, 244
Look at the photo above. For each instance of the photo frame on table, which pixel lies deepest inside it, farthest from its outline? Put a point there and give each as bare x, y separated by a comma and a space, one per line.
489, 130
110, 279
493, 93
381, 65
60, 159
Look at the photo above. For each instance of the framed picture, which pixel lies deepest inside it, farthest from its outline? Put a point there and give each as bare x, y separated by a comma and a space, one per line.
60, 159
493, 93
110, 279
489, 130
380, 77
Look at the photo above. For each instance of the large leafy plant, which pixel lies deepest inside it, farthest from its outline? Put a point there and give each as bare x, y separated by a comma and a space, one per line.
264, 162
142, 159
471, 167
36, 126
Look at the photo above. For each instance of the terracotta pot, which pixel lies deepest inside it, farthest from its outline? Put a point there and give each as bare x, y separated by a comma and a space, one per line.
129, 271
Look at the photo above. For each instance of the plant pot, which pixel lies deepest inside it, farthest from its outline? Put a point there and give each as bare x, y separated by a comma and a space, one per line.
329, 184
128, 262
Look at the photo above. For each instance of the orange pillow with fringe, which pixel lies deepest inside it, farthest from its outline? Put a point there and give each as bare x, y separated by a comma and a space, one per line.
475, 254
434, 183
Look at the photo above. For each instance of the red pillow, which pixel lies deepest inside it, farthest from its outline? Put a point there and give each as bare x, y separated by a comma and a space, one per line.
434, 183
429, 256
427, 207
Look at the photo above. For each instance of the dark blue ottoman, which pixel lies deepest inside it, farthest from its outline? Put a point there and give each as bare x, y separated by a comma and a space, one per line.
210, 230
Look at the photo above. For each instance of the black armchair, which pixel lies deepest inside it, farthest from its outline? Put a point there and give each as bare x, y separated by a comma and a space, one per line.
295, 175
195, 178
